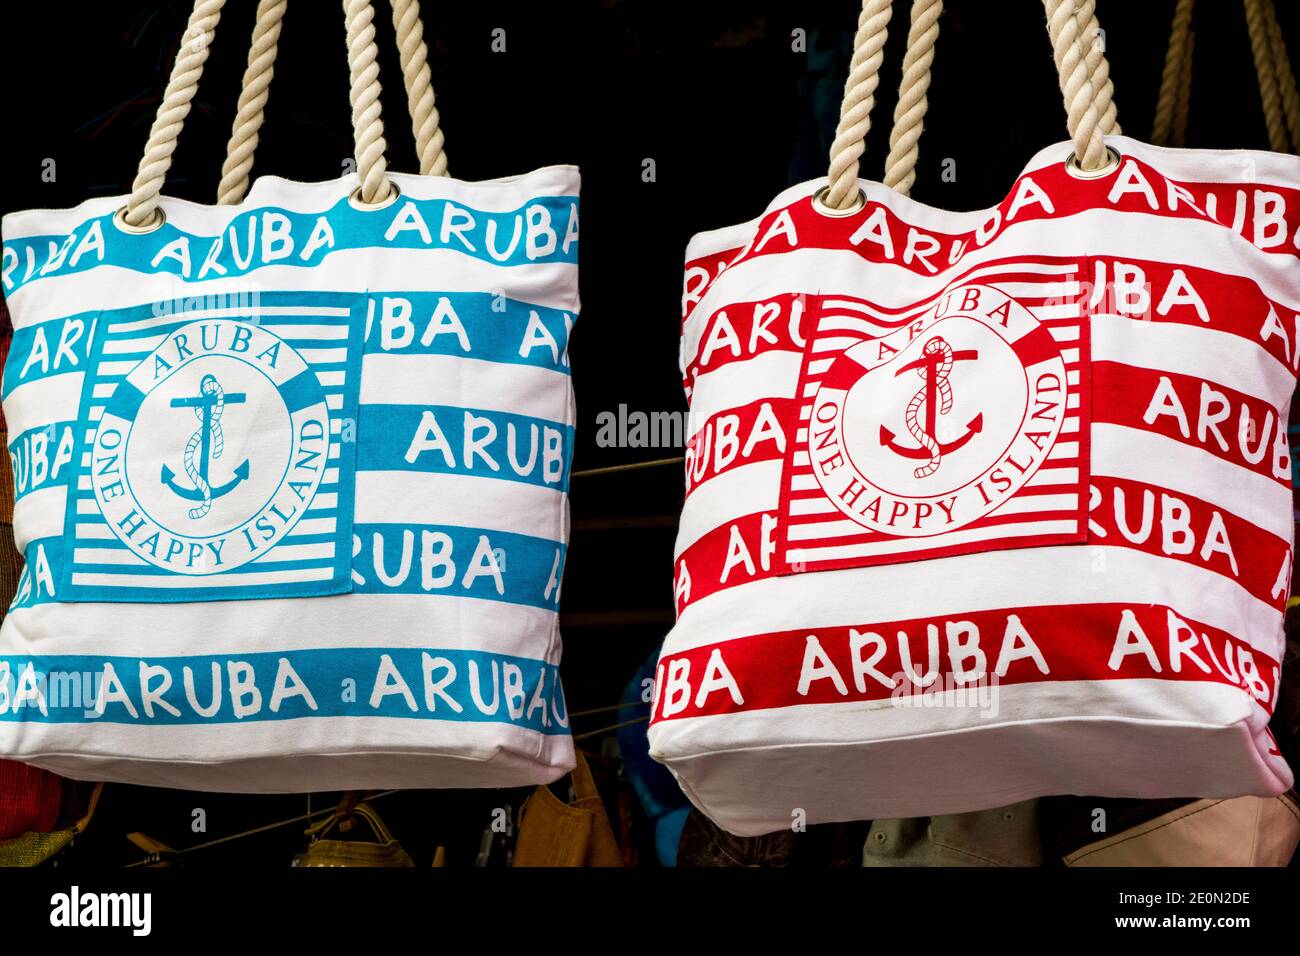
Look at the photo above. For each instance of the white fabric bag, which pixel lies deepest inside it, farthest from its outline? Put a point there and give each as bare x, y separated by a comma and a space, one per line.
292, 470
985, 506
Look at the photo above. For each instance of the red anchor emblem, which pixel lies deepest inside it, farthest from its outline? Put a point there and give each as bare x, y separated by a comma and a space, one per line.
934, 366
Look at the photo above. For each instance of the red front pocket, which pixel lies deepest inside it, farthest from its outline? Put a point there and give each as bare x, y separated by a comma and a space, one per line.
959, 425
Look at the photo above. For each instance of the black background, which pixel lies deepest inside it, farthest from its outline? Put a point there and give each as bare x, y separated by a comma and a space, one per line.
712, 92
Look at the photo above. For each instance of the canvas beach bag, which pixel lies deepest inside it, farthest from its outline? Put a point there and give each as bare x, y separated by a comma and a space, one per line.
292, 469
988, 505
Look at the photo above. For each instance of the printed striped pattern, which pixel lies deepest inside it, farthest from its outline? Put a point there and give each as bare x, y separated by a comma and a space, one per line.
1153, 627
1044, 511
423, 582
101, 567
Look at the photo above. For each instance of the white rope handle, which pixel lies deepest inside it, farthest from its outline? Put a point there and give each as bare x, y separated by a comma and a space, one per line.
252, 102
142, 206
1084, 74
252, 99
364, 92
1082, 68
141, 211
1099, 72
909, 114
859, 98
425, 121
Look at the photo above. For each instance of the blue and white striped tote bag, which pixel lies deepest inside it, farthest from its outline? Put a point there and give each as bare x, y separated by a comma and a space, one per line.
292, 469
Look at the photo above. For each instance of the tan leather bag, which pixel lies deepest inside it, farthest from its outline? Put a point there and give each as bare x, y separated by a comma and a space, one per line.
383, 851
1243, 831
554, 833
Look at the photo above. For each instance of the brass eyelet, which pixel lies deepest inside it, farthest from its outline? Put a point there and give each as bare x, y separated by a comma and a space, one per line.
1078, 172
159, 218
355, 200
819, 203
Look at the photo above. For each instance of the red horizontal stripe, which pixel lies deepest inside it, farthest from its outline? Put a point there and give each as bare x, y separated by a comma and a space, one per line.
743, 330
1217, 419
877, 234
702, 272
1035, 645
734, 553
1168, 292
1175, 525
738, 436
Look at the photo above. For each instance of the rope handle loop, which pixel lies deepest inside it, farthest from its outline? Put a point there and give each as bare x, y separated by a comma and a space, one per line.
414, 54
142, 212
1082, 69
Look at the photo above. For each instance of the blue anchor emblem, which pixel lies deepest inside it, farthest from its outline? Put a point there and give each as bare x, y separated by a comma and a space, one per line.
207, 442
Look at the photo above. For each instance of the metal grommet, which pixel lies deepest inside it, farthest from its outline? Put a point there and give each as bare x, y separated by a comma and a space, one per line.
159, 217
354, 199
819, 203
1078, 172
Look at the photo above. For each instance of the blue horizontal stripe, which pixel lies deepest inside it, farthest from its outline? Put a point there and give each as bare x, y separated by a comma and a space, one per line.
495, 328
539, 232
436, 560
116, 544
467, 686
49, 348
461, 562
442, 439
478, 325
44, 458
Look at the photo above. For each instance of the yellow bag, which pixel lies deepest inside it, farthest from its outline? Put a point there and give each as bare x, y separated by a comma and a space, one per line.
382, 851
33, 849
553, 833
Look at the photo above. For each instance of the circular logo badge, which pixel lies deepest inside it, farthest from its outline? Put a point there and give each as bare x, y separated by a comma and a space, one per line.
938, 423
211, 449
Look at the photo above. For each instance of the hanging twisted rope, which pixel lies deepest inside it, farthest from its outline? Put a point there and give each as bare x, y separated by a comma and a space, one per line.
1082, 67
414, 54
252, 102
1279, 96
1172, 79
1094, 57
1084, 78
859, 98
1289, 94
909, 114
1178, 134
142, 205
364, 92
1269, 94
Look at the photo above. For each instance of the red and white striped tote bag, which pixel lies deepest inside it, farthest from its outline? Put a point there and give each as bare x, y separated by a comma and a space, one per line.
989, 505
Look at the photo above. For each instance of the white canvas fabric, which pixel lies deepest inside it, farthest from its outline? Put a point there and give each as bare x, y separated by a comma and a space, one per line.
991, 505
292, 487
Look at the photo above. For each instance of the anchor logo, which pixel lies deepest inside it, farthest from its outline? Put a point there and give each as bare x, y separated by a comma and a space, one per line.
935, 396
207, 443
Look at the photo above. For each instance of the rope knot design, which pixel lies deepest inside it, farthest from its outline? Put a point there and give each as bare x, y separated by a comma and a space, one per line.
942, 391
208, 386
